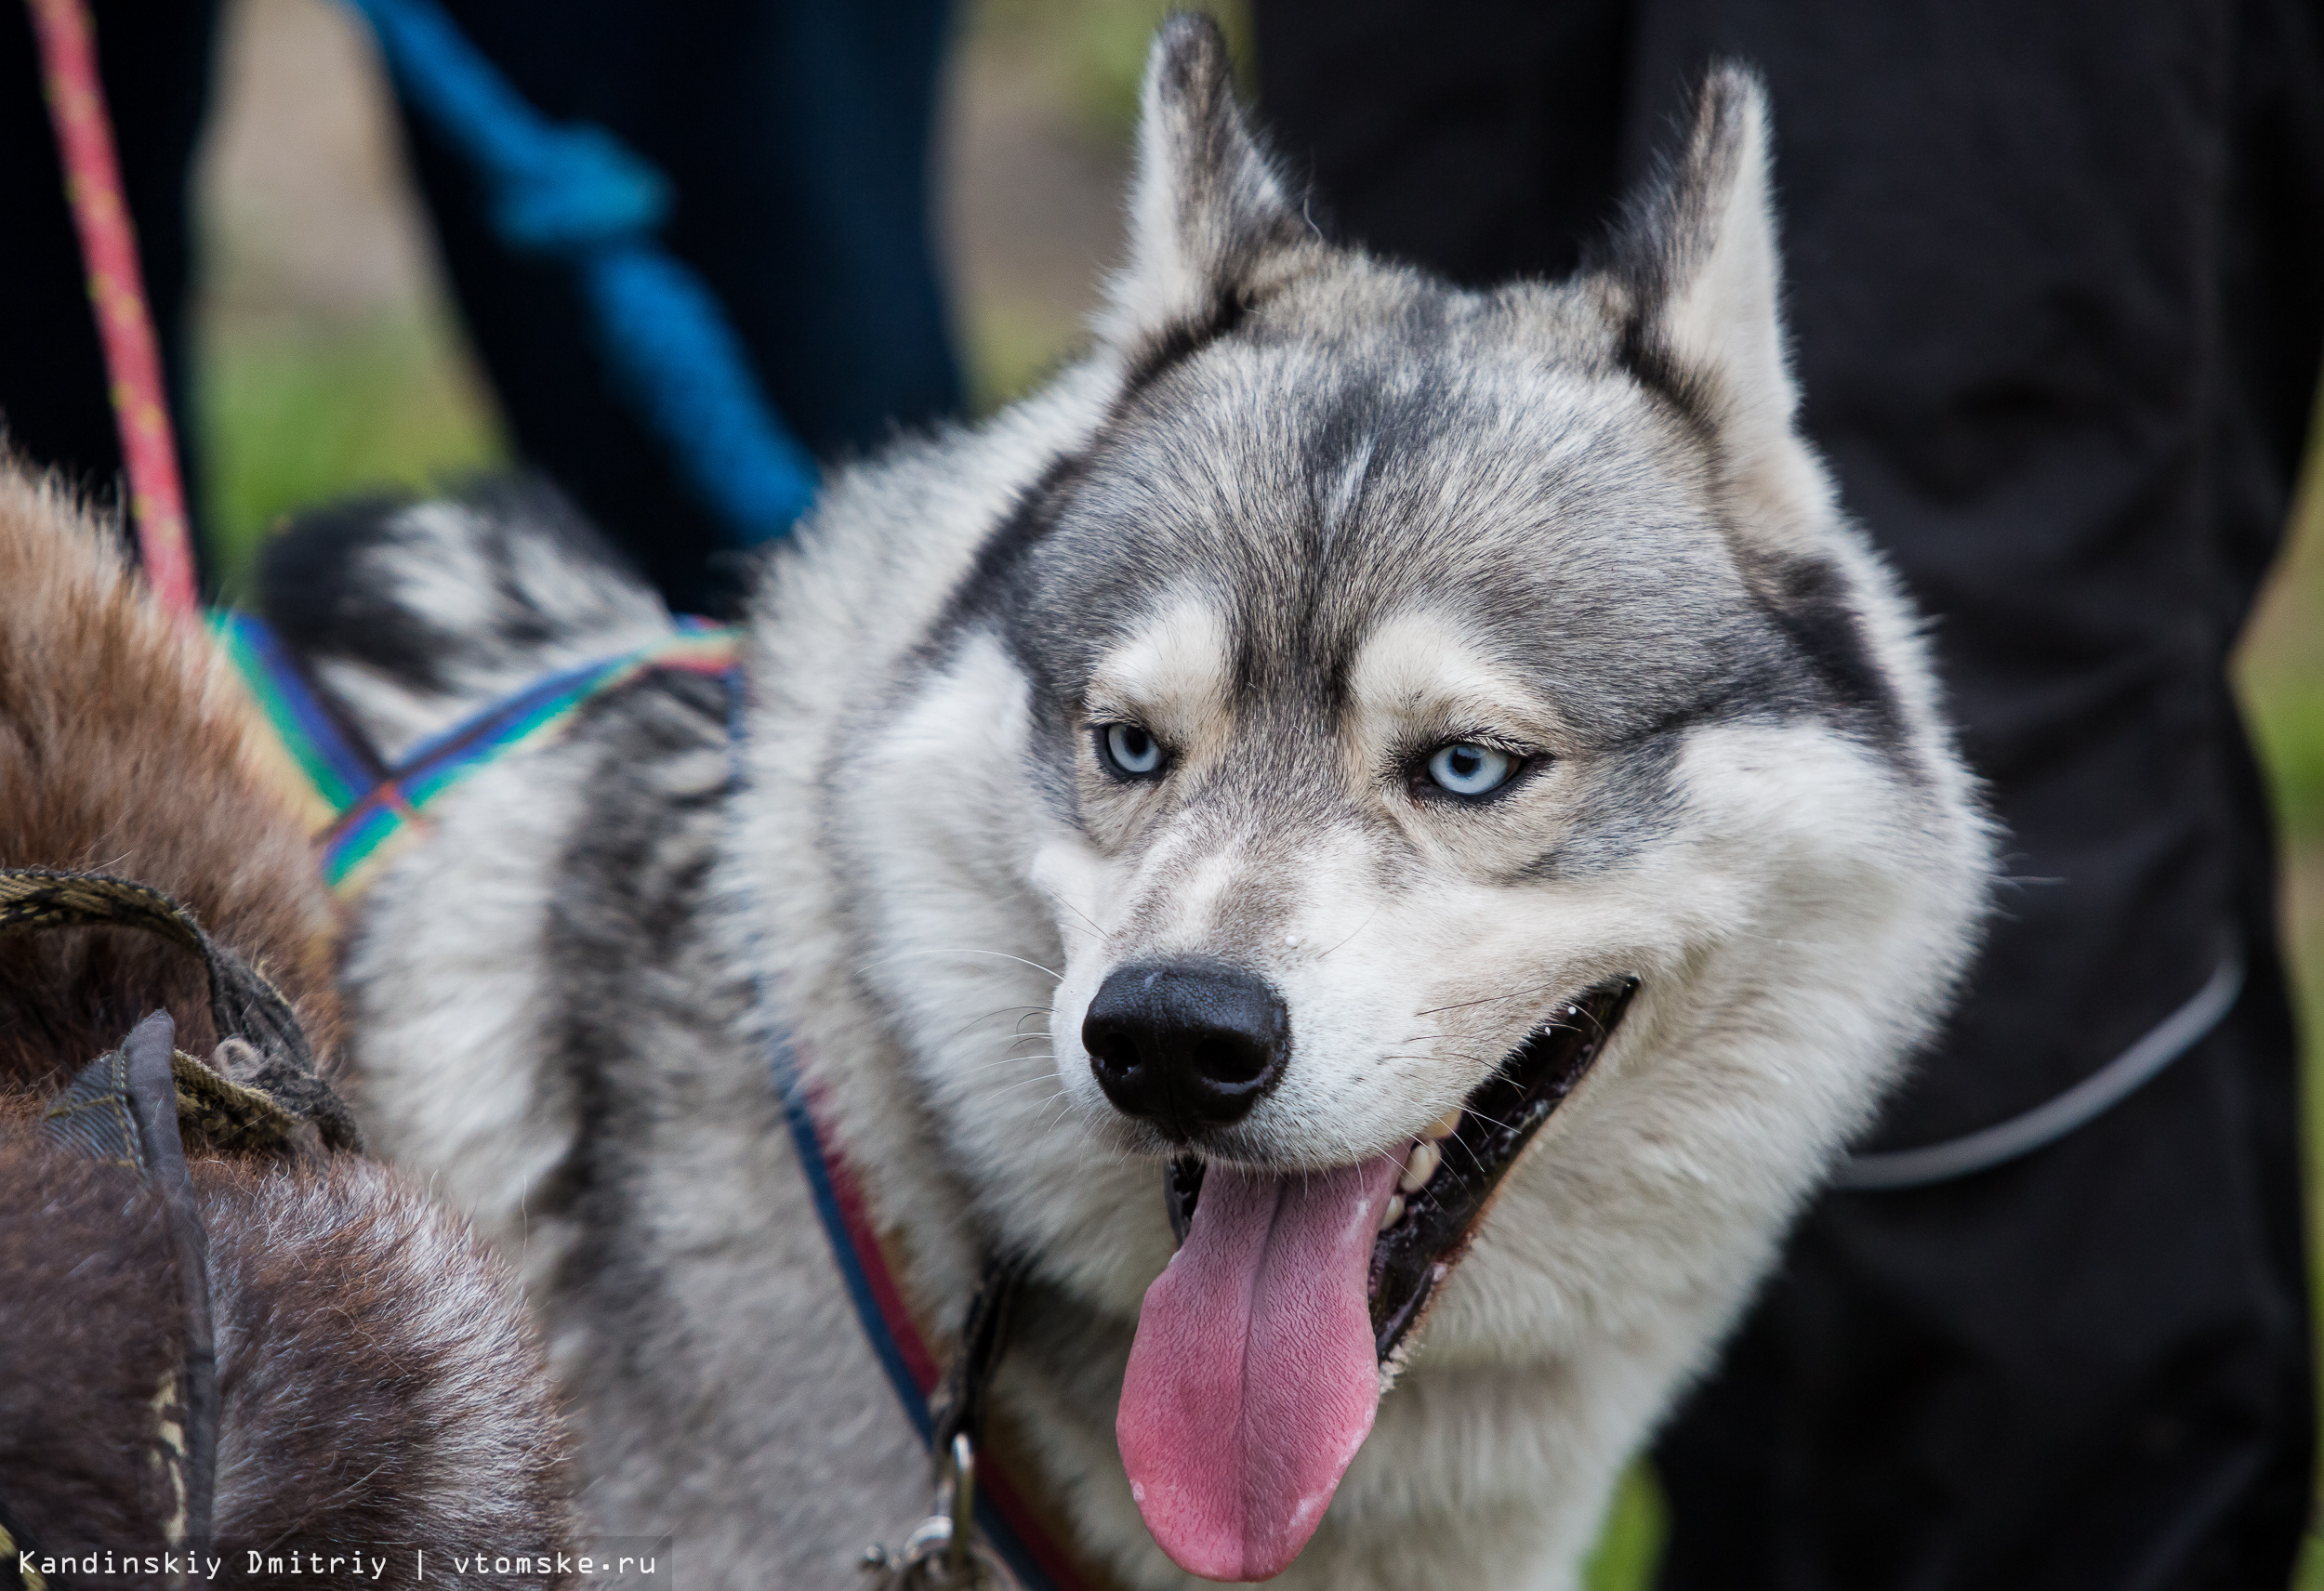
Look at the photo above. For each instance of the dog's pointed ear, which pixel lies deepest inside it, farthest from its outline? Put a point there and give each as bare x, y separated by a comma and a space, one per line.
1208, 213
1703, 317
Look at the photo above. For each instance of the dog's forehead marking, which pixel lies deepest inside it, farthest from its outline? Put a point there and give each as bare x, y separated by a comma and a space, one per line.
1428, 667
1178, 660
1345, 494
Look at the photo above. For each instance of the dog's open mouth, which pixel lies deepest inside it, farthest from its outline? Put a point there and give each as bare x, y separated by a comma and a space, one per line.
1454, 1169
1256, 1370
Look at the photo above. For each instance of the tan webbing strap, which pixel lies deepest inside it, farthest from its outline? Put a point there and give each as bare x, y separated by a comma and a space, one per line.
13, 1568
280, 1083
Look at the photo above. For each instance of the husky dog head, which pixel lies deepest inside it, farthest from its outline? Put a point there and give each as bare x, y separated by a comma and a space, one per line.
1427, 710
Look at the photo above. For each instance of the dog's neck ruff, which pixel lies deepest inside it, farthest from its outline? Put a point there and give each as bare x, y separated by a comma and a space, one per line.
362, 811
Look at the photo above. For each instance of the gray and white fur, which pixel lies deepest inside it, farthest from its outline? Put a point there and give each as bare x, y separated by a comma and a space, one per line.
1302, 515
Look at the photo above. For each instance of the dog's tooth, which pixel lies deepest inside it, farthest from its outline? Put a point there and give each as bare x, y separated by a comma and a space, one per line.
1419, 1166
1393, 1213
1443, 1127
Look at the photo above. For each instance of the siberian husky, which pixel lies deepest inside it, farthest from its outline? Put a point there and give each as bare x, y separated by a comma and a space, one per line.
1242, 788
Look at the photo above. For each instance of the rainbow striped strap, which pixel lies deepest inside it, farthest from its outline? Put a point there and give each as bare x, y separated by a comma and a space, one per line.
323, 762
362, 809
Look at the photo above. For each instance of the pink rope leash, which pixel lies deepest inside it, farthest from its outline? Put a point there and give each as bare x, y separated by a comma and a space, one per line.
116, 291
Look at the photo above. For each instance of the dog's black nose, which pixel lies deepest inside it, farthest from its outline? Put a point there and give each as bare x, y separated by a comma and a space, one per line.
1185, 1045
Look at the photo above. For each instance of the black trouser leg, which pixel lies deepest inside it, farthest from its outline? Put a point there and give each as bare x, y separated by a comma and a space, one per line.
797, 137
2055, 285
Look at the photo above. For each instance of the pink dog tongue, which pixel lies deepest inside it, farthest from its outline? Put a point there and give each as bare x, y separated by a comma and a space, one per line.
1254, 1376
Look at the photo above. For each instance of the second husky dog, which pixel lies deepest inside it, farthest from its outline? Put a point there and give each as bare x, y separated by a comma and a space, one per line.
1246, 785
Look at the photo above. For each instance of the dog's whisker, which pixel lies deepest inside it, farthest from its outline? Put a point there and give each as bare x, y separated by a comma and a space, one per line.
959, 949
1475, 1159
1063, 1099
1488, 999
1084, 916
988, 1016
983, 1066
1008, 1048
1359, 928
1494, 1121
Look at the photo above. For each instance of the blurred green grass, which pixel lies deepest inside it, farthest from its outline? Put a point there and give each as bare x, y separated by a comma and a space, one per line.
290, 412
1095, 50
1630, 1544
2280, 678
2281, 673
2284, 712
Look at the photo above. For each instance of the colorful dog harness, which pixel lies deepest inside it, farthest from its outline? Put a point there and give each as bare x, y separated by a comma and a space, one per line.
363, 811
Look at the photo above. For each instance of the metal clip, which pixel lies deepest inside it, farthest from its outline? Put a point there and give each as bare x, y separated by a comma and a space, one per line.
941, 1552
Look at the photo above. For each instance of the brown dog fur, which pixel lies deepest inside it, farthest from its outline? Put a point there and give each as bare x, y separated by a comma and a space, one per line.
90, 1309
127, 746
378, 1379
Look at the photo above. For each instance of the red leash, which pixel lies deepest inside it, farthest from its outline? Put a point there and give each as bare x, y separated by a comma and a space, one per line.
116, 291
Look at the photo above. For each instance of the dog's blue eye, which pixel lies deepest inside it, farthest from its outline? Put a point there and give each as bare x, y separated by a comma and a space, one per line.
1131, 750
1465, 768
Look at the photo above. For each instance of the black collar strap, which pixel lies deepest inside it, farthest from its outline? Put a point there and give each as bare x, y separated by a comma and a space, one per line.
960, 1402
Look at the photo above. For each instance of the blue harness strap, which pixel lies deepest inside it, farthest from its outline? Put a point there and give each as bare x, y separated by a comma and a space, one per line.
1007, 1522
1007, 1525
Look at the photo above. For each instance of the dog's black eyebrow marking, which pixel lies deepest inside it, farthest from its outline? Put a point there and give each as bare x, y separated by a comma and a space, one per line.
1805, 598
1180, 342
1649, 362
1030, 518
1038, 506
